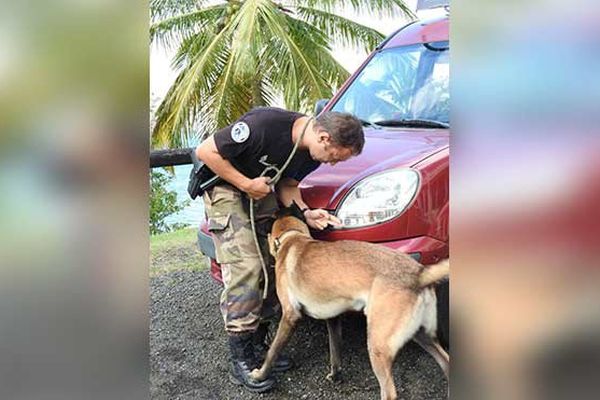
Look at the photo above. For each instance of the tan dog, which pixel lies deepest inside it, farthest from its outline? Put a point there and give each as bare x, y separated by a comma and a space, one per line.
324, 279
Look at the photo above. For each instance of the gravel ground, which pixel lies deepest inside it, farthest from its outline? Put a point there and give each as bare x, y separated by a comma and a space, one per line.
188, 354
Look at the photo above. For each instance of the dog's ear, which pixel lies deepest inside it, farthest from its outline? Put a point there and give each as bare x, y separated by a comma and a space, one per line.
297, 211
271, 245
293, 210
283, 212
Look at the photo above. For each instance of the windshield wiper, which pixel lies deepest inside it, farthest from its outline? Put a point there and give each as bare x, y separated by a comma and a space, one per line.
367, 123
413, 123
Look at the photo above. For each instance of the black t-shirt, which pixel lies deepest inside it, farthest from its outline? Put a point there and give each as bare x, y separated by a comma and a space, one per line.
264, 134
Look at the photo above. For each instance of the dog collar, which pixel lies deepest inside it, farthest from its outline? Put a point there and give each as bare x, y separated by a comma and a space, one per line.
278, 241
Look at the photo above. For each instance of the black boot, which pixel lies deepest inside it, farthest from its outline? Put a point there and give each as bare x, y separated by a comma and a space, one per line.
262, 341
243, 361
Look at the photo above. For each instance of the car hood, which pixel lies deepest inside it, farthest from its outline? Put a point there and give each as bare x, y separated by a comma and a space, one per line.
384, 149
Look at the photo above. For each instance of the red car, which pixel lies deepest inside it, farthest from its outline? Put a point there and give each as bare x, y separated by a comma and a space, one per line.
396, 192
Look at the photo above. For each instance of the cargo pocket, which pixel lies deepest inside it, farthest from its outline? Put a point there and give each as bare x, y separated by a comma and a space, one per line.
226, 248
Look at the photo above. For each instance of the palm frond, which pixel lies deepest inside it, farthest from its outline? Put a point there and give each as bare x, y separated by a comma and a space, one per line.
316, 44
310, 82
177, 112
281, 71
247, 39
172, 30
268, 93
389, 8
230, 96
160, 9
342, 30
191, 48
290, 75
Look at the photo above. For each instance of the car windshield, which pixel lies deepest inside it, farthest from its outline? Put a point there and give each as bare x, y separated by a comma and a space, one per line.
401, 84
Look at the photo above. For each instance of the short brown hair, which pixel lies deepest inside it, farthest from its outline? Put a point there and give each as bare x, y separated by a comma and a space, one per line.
344, 129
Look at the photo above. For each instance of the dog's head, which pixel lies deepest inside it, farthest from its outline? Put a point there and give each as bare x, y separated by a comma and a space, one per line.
287, 219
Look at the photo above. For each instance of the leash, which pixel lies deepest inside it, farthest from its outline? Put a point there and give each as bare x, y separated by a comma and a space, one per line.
272, 182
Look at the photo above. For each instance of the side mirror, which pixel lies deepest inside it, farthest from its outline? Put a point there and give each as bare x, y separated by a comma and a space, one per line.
320, 105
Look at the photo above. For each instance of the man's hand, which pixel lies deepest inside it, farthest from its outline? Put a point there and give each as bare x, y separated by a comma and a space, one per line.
319, 219
257, 188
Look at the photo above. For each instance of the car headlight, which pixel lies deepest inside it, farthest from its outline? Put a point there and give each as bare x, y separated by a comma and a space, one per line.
378, 198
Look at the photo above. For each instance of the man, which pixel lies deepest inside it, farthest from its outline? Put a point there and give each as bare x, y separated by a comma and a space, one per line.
239, 154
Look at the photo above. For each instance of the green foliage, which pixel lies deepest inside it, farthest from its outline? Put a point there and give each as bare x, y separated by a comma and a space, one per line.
163, 202
236, 55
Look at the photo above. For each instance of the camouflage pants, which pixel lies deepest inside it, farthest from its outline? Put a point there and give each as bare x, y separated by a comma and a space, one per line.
241, 303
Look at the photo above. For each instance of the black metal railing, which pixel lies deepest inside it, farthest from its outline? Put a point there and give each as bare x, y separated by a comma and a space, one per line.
170, 157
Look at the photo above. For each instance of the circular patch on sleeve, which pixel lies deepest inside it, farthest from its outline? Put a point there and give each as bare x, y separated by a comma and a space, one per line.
240, 132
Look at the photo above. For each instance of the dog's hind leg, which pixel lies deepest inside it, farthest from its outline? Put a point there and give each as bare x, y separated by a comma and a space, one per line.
334, 329
390, 324
426, 336
436, 351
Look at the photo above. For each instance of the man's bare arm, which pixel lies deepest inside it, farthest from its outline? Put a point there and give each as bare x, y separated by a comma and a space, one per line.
288, 191
256, 188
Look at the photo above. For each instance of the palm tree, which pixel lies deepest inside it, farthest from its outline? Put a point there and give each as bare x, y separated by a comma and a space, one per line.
234, 55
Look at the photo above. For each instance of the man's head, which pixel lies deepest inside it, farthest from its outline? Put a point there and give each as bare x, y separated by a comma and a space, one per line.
339, 136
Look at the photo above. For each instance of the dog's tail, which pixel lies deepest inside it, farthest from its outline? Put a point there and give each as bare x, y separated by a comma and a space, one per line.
433, 273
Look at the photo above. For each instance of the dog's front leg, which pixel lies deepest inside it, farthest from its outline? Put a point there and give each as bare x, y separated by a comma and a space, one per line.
334, 329
284, 331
